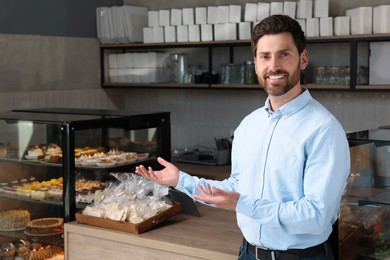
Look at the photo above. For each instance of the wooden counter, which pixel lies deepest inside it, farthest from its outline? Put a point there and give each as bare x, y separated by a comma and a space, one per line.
218, 172
213, 236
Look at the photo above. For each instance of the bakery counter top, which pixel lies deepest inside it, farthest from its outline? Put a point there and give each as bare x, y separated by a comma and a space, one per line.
213, 236
217, 172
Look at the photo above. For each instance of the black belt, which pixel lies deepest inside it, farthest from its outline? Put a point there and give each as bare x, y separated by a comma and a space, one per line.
290, 254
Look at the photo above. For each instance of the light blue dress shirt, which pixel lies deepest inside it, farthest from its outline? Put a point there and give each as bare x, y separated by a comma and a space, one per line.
290, 168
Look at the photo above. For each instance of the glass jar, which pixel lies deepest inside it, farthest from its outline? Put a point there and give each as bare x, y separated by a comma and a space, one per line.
319, 77
334, 78
249, 72
362, 75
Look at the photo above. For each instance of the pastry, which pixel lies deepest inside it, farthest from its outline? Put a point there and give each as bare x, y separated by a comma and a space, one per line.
14, 219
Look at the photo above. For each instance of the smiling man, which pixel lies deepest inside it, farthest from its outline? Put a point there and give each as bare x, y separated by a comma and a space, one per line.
290, 158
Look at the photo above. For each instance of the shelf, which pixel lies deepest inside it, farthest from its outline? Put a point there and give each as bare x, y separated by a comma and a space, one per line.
43, 201
351, 40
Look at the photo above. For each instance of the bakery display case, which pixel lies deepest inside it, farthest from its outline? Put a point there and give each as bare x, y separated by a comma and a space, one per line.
53, 163
364, 222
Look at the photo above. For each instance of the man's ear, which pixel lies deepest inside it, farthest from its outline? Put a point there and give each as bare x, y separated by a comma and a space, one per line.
304, 59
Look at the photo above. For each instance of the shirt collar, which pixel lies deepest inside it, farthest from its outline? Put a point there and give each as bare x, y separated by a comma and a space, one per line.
291, 107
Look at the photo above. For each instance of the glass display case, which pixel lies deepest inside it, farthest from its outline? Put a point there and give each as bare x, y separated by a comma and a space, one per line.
364, 223
53, 163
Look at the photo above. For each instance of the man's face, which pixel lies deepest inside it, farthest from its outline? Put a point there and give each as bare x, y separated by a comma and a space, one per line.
278, 63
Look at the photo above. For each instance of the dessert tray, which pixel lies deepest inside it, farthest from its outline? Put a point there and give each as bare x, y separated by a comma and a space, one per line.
11, 230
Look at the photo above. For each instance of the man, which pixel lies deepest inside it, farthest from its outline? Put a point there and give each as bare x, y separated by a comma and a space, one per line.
290, 158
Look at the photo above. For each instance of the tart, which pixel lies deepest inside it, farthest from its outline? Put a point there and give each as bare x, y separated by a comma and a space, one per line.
45, 226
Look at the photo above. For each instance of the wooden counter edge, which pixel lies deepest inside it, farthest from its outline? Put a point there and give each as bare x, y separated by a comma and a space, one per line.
117, 236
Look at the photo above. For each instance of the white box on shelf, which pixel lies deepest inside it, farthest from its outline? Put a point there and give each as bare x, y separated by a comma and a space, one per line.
142, 59
188, 16
341, 25
206, 32
113, 75
148, 35
321, 8
128, 60
182, 33
170, 33
121, 75
128, 75
302, 23
234, 13
305, 9
326, 26
136, 18
379, 63
381, 21
158, 34
361, 19
200, 15
120, 60
223, 14
136, 73
290, 8
225, 31
250, 12
176, 17
153, 19
164, 18
276, 8
212, 15
193, 33
112, 60
312, 27
263, 10
244, 30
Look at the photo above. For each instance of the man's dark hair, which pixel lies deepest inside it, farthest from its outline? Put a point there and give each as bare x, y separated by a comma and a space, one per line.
275, 24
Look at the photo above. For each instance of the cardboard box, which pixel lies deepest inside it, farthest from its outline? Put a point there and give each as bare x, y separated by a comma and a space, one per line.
200, 15
153, 19
361, 20
182, 33
313, 27
193, 33
263, 10
223, 14
164, 18
212, 15
148, 35
381, 21
341, 25
379, 63
130, 227
326, 26
170, 33
305, 9
276, 8
321, 8
176, 17
290, 8
302, 23
244, 30
188, 16
206, 32
250, 12
234, 13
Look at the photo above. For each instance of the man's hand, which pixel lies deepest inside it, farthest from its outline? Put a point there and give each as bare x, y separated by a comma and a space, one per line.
168, 176
218, 197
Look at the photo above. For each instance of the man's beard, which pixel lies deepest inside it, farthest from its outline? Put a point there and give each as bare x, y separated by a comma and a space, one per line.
280, 89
